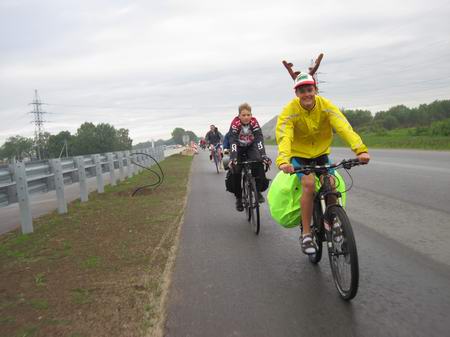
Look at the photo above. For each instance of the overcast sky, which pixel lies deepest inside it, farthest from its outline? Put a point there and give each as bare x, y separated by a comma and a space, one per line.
151, 66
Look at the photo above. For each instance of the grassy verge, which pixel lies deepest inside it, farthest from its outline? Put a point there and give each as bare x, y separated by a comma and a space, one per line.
401, 139
98, 270
396, 139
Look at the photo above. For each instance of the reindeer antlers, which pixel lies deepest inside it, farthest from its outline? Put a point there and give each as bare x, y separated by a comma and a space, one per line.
312, 70
289, 69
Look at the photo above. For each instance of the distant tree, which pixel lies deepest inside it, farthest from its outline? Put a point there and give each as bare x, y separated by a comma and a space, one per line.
177, 135
402, 114
441, 128
358, 118
17, 147
85, 140
57, 144
124, 142
105, 138
102, 138
390, 122
192, 136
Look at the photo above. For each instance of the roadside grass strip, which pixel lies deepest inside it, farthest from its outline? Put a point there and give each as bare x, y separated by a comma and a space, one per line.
98, 270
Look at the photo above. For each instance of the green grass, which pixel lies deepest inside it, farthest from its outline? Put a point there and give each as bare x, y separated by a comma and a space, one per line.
91, 262
401, 139
394, 139
39, 303
39, 279
81, 296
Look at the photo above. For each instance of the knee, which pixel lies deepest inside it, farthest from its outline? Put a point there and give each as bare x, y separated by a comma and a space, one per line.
308, 184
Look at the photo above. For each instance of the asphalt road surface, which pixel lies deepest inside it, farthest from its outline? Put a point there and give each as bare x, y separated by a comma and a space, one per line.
230, 282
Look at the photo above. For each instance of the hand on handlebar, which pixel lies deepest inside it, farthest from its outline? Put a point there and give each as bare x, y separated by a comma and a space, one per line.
363, 158
267, 161
287, 168
232, 164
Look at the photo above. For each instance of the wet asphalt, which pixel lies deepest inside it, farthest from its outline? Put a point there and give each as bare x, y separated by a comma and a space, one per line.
229, 282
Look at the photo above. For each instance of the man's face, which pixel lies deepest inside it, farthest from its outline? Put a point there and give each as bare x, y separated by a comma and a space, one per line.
245, 116
306, 94
212, 128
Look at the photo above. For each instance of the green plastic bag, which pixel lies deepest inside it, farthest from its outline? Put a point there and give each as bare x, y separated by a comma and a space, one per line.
284, 198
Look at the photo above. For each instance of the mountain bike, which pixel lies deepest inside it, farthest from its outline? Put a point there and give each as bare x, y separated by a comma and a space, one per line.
331, 225
250, 195
216, 152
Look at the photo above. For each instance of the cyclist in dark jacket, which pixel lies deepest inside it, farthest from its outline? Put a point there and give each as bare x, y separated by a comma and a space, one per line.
213, 137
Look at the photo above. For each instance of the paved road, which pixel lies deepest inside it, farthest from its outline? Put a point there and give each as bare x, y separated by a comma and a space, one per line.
229, 282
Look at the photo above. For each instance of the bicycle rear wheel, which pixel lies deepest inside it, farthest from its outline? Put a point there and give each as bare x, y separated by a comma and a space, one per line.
343, 255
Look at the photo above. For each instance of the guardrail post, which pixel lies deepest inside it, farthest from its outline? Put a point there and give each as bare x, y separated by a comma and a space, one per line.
129, 168
99, 174
12, 189
148, 160
56, 166
26, 219
161, 151
112, 173
82, 178
121, 171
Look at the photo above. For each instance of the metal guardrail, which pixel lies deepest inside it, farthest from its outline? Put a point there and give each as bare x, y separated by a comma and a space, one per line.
21, 179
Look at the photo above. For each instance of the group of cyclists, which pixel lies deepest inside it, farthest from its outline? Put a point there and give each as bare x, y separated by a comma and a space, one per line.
304, 133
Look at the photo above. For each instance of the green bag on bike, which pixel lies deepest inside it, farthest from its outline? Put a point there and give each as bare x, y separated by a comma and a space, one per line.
284, 197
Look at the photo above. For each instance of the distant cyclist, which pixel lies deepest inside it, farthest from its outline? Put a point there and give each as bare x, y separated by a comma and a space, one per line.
247, 143
304, 134
213, 137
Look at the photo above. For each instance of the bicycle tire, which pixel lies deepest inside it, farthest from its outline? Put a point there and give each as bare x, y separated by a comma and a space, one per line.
347, 254
317, 234
216, 161
254, 204
245, 198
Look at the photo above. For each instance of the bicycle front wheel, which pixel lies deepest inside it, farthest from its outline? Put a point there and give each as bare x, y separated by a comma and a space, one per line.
254, 203
343, 254
216, 161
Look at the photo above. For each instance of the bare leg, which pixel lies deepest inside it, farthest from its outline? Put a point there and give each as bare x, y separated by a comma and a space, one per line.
306, 201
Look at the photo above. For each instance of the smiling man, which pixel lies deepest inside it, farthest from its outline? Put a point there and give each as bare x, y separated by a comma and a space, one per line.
304, 134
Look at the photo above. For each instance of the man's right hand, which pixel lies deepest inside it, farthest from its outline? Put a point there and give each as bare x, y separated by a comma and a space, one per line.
286, 168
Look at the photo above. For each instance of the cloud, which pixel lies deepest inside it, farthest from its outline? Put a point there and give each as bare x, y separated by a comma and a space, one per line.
151, 67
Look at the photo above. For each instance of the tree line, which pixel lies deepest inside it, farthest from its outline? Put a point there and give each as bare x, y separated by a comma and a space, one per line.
427, 119
88, 139
177, 138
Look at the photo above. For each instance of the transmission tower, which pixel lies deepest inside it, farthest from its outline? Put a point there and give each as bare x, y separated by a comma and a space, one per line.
38, 123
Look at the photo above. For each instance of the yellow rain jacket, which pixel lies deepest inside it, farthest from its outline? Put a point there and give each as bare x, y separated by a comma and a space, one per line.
308, 134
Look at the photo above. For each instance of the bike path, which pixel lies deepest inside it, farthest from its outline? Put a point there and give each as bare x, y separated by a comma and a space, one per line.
229, 282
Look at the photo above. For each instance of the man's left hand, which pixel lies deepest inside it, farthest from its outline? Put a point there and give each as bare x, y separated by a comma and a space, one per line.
364, 157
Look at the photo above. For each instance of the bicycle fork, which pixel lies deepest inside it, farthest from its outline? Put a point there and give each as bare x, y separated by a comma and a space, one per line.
327, 218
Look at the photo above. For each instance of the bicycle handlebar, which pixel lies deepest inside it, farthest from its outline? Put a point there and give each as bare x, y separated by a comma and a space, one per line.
345, 163
247, 162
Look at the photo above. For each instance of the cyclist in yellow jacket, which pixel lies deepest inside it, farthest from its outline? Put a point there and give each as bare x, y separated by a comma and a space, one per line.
304, 134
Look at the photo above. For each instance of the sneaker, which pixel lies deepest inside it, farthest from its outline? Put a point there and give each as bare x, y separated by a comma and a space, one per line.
309, 247
239, 206
261, 198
